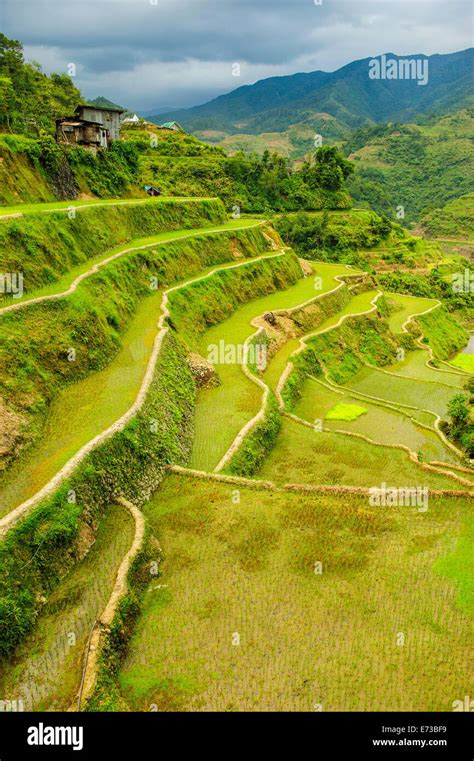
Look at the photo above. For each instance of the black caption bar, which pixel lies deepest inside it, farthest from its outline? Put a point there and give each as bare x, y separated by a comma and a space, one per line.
130, 735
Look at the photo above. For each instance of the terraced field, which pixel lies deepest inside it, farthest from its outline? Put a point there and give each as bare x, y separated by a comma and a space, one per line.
246, 404
382, 424
245, 619
223, 410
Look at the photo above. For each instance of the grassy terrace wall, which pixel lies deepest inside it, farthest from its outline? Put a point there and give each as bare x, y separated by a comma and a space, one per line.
310, 316
38, 552
45, 246
34, 341
444, 334
342, 352
211, 301
20, 178
258, 443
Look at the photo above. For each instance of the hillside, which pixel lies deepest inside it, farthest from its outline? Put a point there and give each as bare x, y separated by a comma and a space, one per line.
236, 421
418, 166
348, 94
455, 220
220, 479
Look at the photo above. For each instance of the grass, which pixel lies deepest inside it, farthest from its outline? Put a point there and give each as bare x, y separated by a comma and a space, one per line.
421, 395
242, 619
223, 410
93, 402
44, 247
464, 361
357, 305
378, 423
345, 411
63, 283
302, 455
414, 366
48, 664
33, 208
403, 307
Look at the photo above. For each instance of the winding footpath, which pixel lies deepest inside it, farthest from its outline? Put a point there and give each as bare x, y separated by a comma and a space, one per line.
15, 212
94, 269
101, 628
19, 512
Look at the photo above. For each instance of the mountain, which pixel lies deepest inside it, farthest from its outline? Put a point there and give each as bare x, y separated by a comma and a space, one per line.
348, 94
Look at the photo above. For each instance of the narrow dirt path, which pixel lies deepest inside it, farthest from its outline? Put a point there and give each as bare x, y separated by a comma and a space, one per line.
102, 626
14, 212
104, 262
11, 518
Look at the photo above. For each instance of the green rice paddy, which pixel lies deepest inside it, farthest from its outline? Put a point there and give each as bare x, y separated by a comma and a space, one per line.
305, 455
48, 665
421, 395
223, 410
414, 366
286, 601
404, 307
465, 362
84, 409
347, 411
378, 423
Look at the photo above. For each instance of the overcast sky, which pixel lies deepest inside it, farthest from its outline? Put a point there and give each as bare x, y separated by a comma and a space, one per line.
148, 54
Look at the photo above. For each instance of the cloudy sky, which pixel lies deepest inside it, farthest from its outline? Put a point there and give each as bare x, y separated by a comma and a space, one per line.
162, 54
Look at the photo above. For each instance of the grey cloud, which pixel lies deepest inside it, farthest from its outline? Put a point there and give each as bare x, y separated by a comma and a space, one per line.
142, 52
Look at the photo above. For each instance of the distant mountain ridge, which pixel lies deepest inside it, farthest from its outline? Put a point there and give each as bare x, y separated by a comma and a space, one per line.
348, 94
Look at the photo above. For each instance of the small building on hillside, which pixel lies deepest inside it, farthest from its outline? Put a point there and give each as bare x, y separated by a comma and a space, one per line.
134, 119
173, 126
152, 191
91, 127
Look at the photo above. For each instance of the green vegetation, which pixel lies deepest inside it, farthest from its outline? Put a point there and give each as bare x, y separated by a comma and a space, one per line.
423, 395
304, 455
435, 284
359, 340
111, 323
39, 550
251, 590
258, 443
417, 166
45, 246
383, 423
336, 237
443, 333
461, 424
277, 104
252, 573
455, 220
49, 680
28, 98
345, 411
464, 361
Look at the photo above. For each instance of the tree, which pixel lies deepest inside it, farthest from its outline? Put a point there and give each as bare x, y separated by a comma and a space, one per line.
458, 411
27, 96
330, 170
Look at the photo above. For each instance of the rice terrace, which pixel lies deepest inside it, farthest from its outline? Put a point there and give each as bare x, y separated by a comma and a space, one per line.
236, 433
